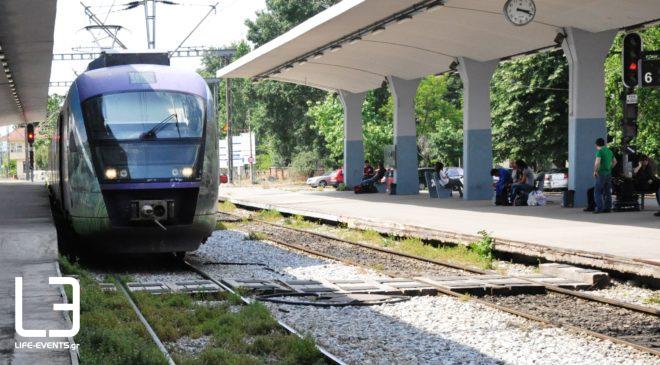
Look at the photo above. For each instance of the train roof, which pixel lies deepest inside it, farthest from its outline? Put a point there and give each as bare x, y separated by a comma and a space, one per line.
139, 77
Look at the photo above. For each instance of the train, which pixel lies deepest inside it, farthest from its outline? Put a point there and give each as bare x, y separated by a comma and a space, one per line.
133, 162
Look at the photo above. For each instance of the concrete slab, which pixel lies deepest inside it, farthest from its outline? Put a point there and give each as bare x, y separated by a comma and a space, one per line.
626, 242
592, 277
28, 247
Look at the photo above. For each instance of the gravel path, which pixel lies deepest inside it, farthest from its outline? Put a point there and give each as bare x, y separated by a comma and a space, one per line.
423, 330
630, 293
618, 290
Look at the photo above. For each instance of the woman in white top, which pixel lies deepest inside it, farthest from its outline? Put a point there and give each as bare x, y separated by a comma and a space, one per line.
447, 182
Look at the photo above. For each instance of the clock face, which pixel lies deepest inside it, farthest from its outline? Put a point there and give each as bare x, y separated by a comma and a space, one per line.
519, 12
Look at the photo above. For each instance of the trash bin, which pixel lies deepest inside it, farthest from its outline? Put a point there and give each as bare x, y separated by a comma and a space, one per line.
568, 199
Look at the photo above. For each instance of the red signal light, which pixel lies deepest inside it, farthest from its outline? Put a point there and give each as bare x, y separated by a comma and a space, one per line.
633, 66
30, 133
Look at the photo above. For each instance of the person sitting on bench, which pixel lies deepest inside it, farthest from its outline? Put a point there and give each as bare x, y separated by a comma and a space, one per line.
501, 187
380, 173
525, 180
644, 176
445, 181
368, 170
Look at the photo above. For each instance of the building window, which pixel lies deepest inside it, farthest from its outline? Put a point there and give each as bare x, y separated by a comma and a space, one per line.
15, 147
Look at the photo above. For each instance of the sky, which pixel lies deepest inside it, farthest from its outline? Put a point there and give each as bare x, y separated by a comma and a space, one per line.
173, 23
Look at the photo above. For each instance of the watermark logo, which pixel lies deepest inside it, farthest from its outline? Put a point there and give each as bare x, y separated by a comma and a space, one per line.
74, 307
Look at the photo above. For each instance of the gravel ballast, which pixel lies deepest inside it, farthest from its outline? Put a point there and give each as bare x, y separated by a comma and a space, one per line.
423, 330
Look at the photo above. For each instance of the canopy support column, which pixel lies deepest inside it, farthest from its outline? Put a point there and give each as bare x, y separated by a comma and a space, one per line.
477, 135
353, 145
585, 52
405, 134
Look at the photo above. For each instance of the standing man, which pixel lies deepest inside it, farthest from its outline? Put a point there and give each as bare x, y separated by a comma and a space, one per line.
603, 177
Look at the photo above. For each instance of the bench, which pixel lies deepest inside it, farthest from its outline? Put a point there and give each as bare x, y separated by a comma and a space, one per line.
435, 189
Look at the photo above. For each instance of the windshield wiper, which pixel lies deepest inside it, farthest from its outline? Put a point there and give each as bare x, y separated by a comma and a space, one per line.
151, 133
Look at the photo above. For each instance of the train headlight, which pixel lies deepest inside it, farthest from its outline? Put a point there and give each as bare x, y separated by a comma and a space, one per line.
110, 174
187, 171
123, 173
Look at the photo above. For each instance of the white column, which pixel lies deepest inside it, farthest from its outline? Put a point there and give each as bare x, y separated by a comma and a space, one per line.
585, 52
405, 134
477, 135
353, 145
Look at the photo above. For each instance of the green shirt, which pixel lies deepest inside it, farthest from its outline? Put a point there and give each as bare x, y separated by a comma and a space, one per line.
606, 156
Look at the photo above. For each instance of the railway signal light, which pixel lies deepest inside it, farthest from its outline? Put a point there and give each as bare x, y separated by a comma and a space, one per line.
632, 53
30, 133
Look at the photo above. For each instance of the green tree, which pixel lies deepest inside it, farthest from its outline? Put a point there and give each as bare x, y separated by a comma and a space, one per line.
279, 111
529, 109
328, 122
282, 15
46, 131
439, 120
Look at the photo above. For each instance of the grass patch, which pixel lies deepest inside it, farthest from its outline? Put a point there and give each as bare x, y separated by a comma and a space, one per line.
298, 221
368, 236
458, 254
269, 215
110, 331
226, 206
256, 236
653, 299
247, 336
220, 226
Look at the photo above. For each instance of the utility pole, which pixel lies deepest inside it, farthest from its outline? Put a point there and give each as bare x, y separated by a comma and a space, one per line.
251, 154
150, 19
230, 147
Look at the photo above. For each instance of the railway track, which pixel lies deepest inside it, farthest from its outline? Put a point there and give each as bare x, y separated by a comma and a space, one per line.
331, 358
624, 323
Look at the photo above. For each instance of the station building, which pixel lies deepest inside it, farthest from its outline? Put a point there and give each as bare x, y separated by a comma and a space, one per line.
356, 45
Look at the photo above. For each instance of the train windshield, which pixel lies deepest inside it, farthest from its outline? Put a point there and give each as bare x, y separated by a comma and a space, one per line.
146, 136
145, 115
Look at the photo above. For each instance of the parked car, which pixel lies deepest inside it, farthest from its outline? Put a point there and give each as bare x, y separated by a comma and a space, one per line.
455, 173
322, 181
337, 177
555, 179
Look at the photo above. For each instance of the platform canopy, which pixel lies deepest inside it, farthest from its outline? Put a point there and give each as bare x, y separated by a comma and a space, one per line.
353, 45
26, 38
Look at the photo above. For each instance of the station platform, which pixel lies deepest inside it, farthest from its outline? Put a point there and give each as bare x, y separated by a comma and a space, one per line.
627, 242
28, 249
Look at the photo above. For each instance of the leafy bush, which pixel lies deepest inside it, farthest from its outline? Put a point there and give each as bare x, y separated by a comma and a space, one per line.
483, 247
304, 163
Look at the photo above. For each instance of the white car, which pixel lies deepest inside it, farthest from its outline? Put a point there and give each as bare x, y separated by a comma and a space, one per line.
555, 179
321, 181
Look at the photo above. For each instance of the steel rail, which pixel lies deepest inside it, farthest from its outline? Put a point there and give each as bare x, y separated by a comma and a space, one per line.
144, 321
507, 309
549, 287
328, 355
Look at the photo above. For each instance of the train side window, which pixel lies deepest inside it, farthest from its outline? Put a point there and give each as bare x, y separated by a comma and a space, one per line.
73, 145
